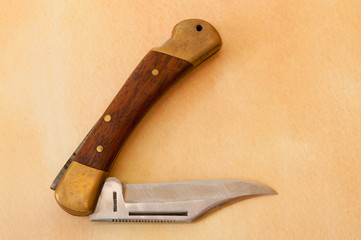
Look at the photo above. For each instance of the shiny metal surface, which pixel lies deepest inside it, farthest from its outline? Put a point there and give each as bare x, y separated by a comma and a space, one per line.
169, 202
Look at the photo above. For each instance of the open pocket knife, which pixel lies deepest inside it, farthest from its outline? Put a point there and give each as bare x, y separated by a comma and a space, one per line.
81, 187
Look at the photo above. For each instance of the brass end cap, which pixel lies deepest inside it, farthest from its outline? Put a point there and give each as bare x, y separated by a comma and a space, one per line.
79, 188
193, 40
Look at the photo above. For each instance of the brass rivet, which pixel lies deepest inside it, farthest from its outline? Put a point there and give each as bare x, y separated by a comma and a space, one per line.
107, 118
100, 148
155, 72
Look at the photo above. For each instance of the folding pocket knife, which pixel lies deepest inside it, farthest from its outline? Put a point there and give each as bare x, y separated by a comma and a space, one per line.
81, 187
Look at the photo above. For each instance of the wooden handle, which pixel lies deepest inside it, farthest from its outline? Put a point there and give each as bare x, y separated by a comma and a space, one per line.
151, 78
191, 43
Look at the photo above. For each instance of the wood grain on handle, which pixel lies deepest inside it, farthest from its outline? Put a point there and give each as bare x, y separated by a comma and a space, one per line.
151, 78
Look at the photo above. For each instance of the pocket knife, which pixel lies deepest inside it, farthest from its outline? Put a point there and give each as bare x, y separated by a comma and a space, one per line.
81, 187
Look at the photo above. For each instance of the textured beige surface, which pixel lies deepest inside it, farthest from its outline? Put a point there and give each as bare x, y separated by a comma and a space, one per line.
280, 104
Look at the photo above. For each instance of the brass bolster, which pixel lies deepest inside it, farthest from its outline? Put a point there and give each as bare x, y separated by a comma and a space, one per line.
193, 40
79, 188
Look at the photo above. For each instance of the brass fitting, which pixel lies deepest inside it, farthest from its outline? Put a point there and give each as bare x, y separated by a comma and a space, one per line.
79, 188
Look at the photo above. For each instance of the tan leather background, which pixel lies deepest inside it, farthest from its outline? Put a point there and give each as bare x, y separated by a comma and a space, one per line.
280, 105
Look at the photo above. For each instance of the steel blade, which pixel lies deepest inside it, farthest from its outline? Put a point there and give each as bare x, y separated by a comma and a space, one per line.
65, 167
169, 202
